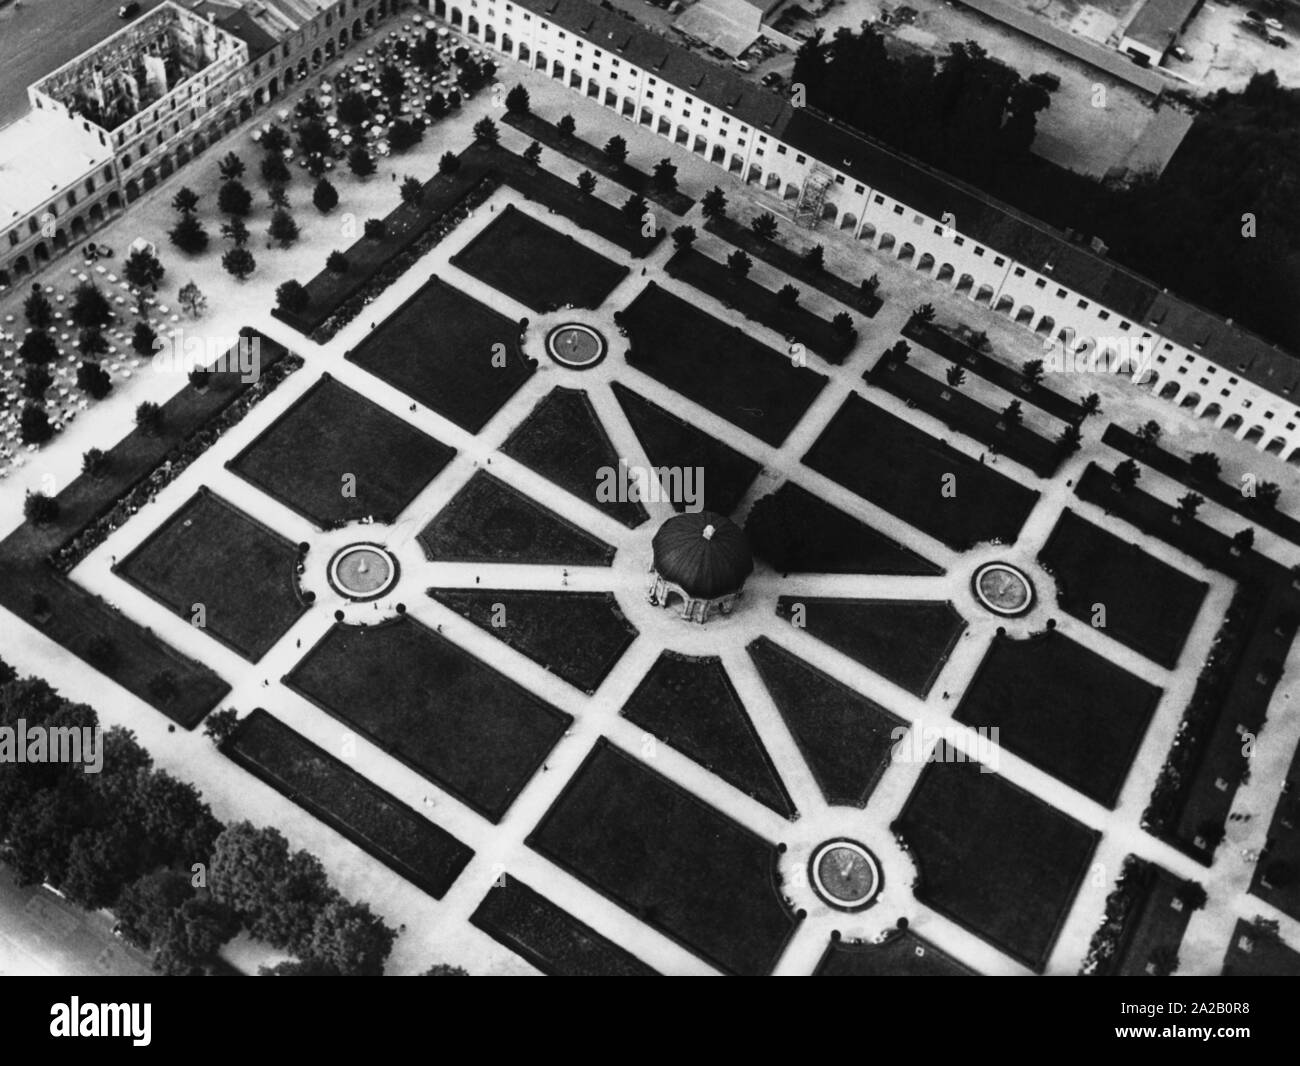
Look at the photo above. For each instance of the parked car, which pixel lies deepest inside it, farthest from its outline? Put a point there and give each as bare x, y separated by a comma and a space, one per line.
773, 80
1273, 24
127, 11
1254, 16
740, 64
1047, 81
1278, 42
1180, 53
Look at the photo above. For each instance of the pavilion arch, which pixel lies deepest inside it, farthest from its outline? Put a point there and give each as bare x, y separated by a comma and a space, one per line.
356, 23
755, 176
149, 177
439, 8
1025, 316
40, 253
829, 211
78, 225
1210, 410
925, 264
946, 272
1191, 399
965, 283
1253, 435
907, 252
791, 192
60, 238
1276, 446
472, 26
665, 127
525, 53
1005, 304
343, 39
682, 135
575, 80
593, 88
887, 241
867, 232
490, 35
508, 46
1045, 326
1294, 457
302, 67
5, 279
457, 18
771, 182
22, 266
1169, 390
540, 61
557, 71
700, 146
132, 190
849, 221
165, 168
182, 154
97, 213
316, 58
718, 155
1232, 423
984, 295
329, 47
611, 98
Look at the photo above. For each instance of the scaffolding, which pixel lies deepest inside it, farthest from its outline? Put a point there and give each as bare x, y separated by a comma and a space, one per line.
808, 212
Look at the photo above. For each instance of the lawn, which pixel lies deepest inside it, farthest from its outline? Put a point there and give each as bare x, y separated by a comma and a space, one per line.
1149, 605
992, 857
487, 521
955, 499
433, 706
401, 838
1253, 953
690, 704
549, 937
904, 641
846, 739
220, 570
1063, 707
453, 354
563, 440
578, 636
718, 366
537, 266
672, 442
336, 457
799, 533
671, 860
904, 954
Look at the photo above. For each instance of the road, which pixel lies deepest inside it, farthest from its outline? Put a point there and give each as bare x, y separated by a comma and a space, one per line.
43, 936
38, 36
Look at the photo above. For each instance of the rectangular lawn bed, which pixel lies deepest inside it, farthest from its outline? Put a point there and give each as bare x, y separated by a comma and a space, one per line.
761, 304
549, 937
433, 706
904, 954
397, 835
718, 366
212, 556
909, 473
450, 352
992, 857
541, 268
671, 860
1150, 606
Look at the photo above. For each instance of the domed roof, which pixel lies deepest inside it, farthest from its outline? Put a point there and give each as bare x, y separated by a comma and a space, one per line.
704, 552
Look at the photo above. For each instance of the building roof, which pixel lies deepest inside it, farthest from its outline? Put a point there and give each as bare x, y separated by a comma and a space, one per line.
704, 552
1007, 231
42, 154
261, 24
1158, 22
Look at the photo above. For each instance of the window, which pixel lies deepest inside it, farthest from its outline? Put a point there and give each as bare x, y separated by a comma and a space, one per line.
651, 81
938, 231
708, 110
726, 121
758, 151
1160, 358
879, 199
1104, 315
1020, 272
1040, 284
1225, 392
801, 159
649, 95
780, 149
1060, 294
999, 261
563, 35
13, 238
613, 62
839, 179
1126, 325
898, 209
959, 241
1082, 305
1232, 381
741, 141
704, 123
918, 220
979, 252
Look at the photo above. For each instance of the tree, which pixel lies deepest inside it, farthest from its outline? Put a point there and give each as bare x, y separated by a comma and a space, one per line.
1189, 504
1243, 540
683, 237
349, 938
142, 269
1012, 414
94, 463
36, 381
292, 296
517, 101
870, 285
186, 200
449, 163
275, 140
1127, 474
275, 171
90, 307
566, 126
324, 196
189, 235
1267, 493
815, 258
898, 352
739, 264
192, 299
922, 313
842, 323
360, 162
714, 204
441, 969
93, 380
34, 424
38, 349
91, 342
1164, 960
956, 376
239, 263
587, 182
412, 190
40, 508
144, 340
37, 309
392, 83
233, 198
149, 417
485, 132
665, 175
1149, 434
230, 167
1032, 371
788, 297
353, 109
278, 194
102, 651
376, 229
616, 150
336, 263
220, 725
979, 341
403, 135
1205, 466
533, 154
635, 209
283, 229
1091, 405
236, 231
314, 139
764, 225
435, 106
